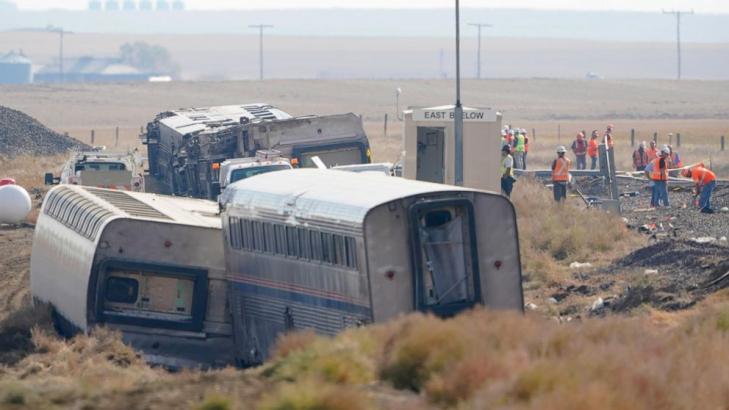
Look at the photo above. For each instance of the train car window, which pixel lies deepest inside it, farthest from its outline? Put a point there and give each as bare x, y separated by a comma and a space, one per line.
258, 241
234, 232
248, 240
304, 248
269, 238
351, 252
340, 257
315, 244
280, 234
122, 290
327, 255
292, 242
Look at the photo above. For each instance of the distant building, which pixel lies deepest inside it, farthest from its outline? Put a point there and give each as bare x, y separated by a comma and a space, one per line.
178, 5
15, 68
7, 6
129, 5
146, 5
95, 70
163, 5
112, 5
95, 5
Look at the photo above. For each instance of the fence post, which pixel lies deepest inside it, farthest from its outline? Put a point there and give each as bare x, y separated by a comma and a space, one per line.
722, 143
632, 137
534, 134
655, 137
385, 125
678, 139
93, 136
670, 138
116, 137
559, 133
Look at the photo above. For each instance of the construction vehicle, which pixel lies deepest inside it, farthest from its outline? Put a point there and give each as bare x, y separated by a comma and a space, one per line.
236, 169
187, 147
101, 169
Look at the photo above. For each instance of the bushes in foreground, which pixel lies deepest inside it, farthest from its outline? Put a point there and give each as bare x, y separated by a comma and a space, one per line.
501, 360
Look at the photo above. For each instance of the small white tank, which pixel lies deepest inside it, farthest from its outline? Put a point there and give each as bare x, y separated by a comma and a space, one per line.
15, 204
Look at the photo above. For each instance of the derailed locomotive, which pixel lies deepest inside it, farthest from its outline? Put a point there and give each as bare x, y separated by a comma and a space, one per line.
186, 147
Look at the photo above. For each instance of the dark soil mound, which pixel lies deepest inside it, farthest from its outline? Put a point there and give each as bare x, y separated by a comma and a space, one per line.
686, 272
20, 134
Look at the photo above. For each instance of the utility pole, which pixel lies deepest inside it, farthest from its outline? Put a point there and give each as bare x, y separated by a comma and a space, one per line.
678, 15
260, 28
459, 107
60, 55
478, 61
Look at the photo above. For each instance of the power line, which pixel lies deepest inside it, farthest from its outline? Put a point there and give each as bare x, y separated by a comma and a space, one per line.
478, 61
260, 28
678, 15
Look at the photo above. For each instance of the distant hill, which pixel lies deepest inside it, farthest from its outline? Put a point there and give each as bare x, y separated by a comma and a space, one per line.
578, 25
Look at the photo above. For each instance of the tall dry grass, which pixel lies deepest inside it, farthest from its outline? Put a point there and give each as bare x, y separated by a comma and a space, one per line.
554, 235
496, 360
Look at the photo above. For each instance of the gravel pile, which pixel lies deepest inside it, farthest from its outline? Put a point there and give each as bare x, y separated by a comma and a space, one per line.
21, 134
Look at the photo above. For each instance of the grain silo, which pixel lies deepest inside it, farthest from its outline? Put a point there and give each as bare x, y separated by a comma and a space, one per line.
15, 68
95, 5
163, 5
178, 5
146, 5
129, 5
112, 5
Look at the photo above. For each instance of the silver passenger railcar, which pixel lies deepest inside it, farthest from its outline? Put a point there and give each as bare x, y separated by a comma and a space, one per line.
327, 250
150, 266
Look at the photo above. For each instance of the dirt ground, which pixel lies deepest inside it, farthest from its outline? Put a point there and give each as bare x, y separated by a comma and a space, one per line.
15, 247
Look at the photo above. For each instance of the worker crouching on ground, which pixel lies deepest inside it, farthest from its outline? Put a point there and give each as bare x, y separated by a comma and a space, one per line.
507, 171
705, 183
579, 148
561, 174
640, 157
592, 149
657, 172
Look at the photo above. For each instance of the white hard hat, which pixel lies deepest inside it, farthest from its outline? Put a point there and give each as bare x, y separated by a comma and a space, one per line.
561, 149
665, 150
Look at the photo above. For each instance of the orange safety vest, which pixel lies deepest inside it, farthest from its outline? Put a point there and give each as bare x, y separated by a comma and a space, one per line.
652, 154
699, 173
659, 174
561, 171
592, 147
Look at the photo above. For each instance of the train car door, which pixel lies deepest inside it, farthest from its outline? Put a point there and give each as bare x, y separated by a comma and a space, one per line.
445, 256
431, 155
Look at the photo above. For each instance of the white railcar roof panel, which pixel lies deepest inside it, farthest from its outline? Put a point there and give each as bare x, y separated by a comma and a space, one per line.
195, 119
326, 194
153, 207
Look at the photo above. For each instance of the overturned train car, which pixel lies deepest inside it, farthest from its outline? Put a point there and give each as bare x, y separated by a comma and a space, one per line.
328, 250
187, 146
149, 266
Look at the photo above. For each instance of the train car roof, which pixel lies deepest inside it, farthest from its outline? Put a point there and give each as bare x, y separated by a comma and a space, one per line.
143, 206
326, 194
190, 120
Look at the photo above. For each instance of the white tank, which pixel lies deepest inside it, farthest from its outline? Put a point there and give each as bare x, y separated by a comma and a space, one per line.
15, 204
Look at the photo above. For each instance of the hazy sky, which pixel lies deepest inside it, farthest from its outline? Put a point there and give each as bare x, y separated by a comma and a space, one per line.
709, 6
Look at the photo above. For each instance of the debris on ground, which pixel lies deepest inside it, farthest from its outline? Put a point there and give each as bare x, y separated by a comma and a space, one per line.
21, 134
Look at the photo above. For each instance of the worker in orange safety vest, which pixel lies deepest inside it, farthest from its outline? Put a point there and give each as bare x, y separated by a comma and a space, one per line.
705, 181
561, 174
657, 172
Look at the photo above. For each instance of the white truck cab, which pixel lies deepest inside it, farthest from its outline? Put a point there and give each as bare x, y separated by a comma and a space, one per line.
234, 170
